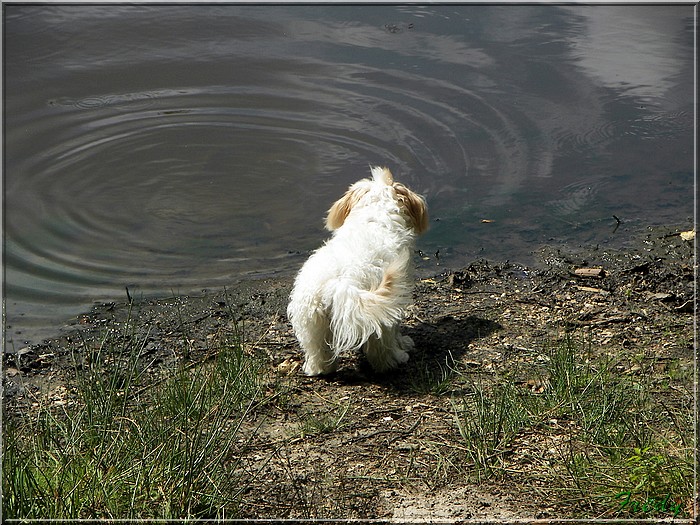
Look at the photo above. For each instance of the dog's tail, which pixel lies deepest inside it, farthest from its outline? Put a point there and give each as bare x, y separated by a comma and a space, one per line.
357, 314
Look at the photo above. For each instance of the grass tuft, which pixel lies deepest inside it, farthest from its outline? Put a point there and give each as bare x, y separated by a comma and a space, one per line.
488, 421
127, 451
611, 435
324, 423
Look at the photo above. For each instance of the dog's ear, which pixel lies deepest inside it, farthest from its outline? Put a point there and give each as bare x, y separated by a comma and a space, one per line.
341, 208
415, 207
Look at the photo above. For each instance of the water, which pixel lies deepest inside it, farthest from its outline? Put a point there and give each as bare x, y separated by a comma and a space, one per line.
175, 148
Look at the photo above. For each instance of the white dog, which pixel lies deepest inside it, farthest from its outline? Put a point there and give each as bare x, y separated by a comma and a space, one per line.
352, 291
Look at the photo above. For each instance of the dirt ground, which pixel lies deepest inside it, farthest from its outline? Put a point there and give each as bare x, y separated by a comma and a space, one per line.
361, 445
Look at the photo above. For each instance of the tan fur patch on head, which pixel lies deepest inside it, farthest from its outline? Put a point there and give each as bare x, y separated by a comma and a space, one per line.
382, 175
415, 207
388, 177
341, 208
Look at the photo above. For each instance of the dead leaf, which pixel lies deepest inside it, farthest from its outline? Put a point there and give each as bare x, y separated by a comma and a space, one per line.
536, 386
288, 367
688, 236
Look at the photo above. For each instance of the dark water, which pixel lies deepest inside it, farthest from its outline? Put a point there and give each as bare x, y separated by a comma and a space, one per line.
177, 148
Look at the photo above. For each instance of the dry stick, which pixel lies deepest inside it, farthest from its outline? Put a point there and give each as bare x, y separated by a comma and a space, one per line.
384, 431
618, 223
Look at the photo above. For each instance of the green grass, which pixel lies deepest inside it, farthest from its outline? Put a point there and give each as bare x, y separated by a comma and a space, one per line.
488, 422
168, 451
618, 436
324, 423
430, 380
131, 444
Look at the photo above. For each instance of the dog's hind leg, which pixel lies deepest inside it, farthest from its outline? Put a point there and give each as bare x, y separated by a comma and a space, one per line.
388, 351
320, 358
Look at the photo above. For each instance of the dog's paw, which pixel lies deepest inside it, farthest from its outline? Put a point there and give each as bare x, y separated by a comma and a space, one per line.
401, 356
387, 361
314, 367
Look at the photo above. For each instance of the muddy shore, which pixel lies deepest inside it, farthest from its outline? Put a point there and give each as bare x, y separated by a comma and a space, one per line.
488, 318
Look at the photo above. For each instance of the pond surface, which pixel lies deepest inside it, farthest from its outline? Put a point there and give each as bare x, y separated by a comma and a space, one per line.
175, 148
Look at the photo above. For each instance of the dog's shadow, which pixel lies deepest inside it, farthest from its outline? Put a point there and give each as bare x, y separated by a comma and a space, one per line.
439, 346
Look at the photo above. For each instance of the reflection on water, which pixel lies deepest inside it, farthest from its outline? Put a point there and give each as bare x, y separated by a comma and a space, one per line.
635, 56
175, 148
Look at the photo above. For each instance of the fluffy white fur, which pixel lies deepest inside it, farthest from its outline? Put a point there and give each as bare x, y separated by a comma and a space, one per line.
352, 291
